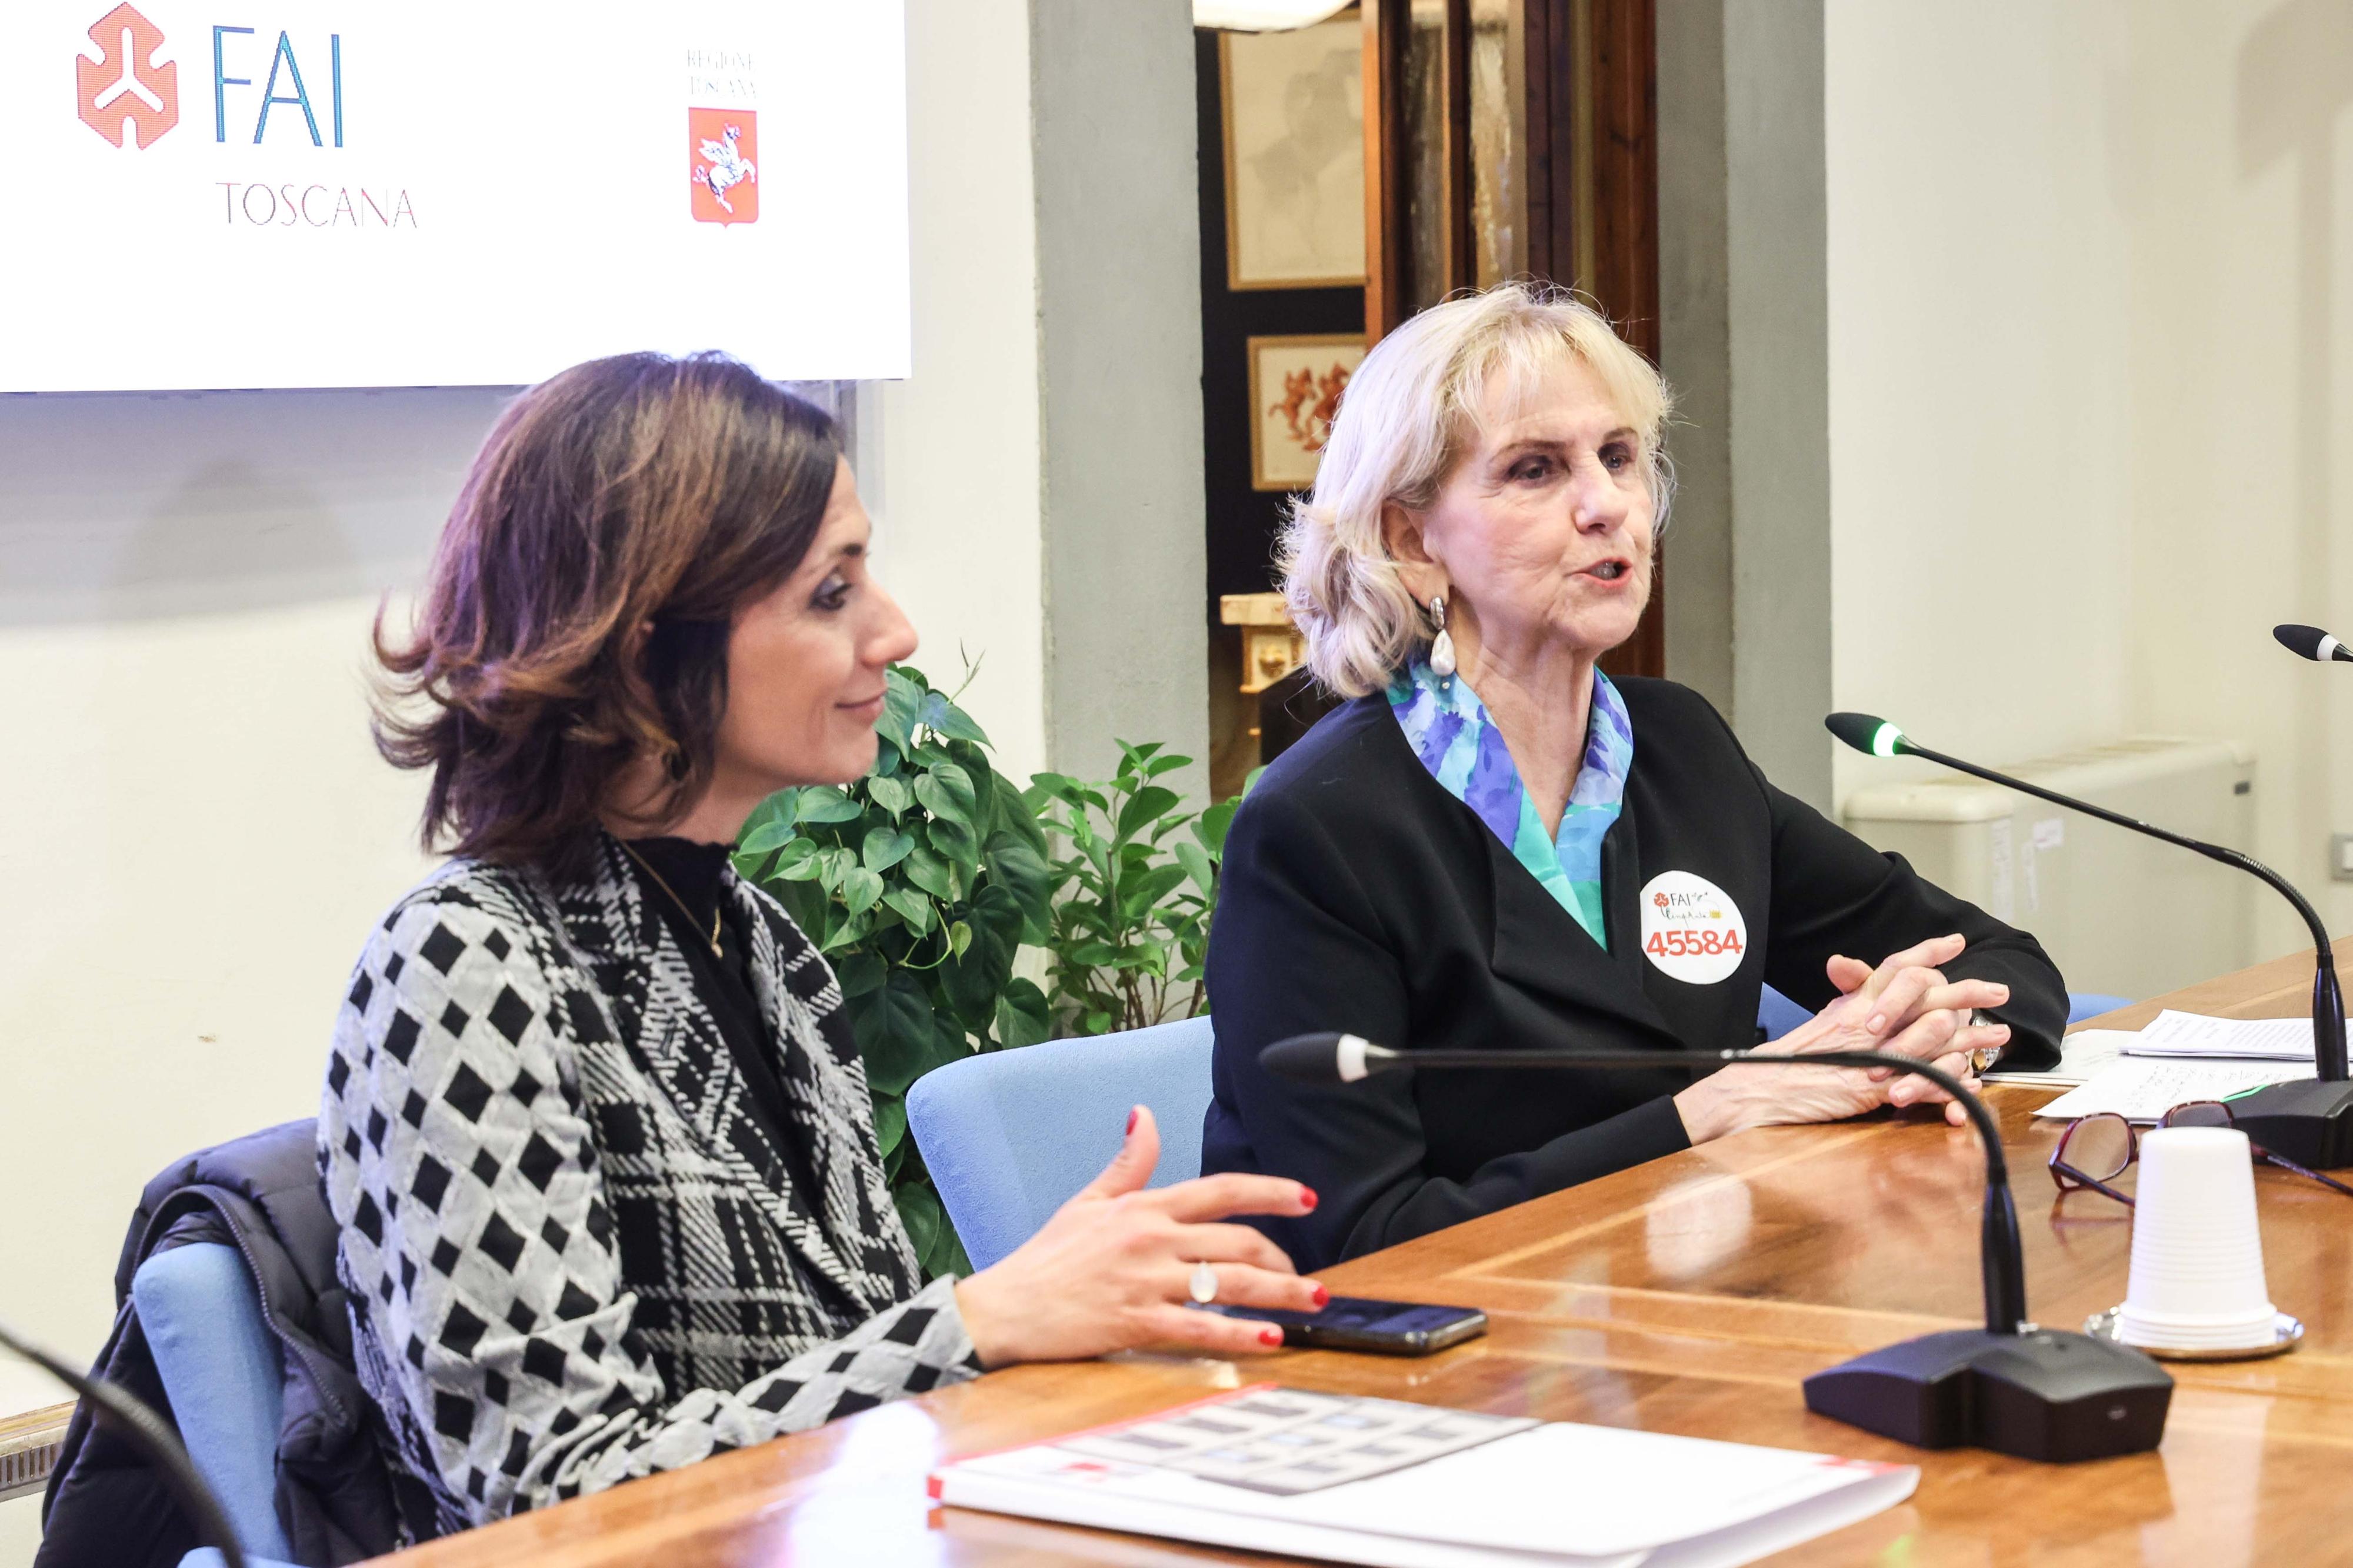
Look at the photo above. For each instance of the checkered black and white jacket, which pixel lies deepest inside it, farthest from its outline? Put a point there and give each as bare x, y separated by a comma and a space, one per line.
573, 1256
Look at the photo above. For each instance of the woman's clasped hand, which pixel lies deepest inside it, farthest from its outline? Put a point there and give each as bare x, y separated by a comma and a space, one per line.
1113, 1269
1904, 1006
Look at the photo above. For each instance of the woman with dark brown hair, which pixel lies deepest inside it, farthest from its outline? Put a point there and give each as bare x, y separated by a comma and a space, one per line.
594, 1128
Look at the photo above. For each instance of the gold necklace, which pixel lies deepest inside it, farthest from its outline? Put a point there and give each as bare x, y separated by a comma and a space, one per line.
674, 898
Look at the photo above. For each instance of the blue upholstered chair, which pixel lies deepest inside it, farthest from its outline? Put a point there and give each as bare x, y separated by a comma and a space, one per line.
218, 1363
1009, 1136
2083, 1005
1777, 1015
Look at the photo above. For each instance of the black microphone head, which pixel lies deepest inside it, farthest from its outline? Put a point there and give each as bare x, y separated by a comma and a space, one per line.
1873, 736
1325, 1058
2311, 642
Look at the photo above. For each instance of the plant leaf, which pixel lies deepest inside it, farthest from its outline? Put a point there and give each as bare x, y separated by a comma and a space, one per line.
1145, 805
885, 847
1022, 1015
926, 870
860, 973
1211, 826
955, 841
945, 717
892, 795
823, 803
860, 889
800, 862
976, 976
946, 790
1139, 894
894, 1034
902, 699
767, 835
912, 906
889, 1121
1199, 866
782, 806
1021, 871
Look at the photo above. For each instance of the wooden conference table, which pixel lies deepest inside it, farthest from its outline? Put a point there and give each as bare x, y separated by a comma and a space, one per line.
1690, 1295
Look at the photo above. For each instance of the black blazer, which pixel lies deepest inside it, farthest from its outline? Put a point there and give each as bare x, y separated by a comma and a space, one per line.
1358, 895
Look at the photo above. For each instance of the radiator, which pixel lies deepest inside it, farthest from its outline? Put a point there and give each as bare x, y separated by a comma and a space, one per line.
2119, 912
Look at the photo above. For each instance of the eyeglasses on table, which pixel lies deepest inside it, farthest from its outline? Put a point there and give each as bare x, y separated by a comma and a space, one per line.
2095, 1149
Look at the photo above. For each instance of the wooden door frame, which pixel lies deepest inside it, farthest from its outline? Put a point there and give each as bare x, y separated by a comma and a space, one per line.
1614, 59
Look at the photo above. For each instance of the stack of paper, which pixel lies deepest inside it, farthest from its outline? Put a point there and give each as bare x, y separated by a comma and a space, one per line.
2082, 1057
2142, 1074
2143, 1089
2193, 1035
1397, 1485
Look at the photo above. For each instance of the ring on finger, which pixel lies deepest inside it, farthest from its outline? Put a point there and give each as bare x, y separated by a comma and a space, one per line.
1203, 1284
1982, 1058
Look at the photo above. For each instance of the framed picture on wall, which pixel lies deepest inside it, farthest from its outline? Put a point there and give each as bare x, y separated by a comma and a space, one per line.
1294, 133
1295, 384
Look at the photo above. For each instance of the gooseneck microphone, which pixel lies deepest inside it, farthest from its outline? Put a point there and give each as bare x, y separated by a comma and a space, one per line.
124, 1414
2012, 1386
2311, 642
2310, 1122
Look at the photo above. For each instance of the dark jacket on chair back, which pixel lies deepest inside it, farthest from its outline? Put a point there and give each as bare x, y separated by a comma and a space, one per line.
1358, 895
260, 1194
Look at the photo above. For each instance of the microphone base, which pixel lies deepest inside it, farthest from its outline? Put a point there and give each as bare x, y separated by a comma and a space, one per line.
2043, 1394
2310, 1122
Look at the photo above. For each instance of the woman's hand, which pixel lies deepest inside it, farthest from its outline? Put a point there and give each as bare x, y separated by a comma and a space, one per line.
1111, 1270
1905, 988
1904, 1006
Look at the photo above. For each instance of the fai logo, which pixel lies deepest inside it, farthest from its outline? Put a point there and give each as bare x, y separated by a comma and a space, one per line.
124, 91
721, 146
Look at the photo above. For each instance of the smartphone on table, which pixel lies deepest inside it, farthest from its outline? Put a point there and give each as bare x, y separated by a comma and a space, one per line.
1360, 1323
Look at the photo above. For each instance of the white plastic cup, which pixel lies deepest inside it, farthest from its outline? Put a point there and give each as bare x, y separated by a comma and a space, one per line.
2197, 1251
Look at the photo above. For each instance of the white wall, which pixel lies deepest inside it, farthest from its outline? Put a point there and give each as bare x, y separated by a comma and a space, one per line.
2237, 168
195, 833
1980, 358
953, 455
2090, 385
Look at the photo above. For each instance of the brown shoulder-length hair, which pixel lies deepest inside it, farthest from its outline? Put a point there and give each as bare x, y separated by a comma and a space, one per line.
625, 492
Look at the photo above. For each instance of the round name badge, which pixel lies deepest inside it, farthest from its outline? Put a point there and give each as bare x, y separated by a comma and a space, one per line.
1692, 931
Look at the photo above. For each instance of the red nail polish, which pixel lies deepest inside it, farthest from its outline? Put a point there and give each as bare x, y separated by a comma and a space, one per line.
1321, 1297
1130, 1119
1307, 1197
1269, 1337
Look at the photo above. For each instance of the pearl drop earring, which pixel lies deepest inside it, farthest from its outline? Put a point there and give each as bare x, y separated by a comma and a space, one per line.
1442, 648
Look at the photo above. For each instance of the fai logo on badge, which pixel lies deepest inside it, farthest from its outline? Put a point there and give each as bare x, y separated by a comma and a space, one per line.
721, 146
1692, 931
125, 91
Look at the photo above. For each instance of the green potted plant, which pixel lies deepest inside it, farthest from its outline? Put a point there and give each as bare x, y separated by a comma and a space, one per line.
1131, 900
918, 883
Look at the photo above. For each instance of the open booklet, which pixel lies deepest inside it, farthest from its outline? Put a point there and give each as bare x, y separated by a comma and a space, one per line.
1397, 1485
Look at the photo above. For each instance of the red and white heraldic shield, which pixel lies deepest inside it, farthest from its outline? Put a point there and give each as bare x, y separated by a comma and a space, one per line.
722, 148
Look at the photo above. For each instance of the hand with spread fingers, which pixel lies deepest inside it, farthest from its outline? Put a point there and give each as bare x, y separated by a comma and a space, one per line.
1904, 1005
1116, 1266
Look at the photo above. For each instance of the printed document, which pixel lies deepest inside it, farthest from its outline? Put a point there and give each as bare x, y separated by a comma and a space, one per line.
1399, 1485
2143, 1089
2194, 1034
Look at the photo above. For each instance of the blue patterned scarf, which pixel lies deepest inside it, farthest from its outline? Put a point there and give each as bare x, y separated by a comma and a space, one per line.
1448, 727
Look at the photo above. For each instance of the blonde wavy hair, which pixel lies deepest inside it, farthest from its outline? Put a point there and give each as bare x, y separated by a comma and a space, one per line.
1411, 412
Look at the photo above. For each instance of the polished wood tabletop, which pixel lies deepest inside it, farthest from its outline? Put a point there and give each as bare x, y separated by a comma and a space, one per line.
1691, 1295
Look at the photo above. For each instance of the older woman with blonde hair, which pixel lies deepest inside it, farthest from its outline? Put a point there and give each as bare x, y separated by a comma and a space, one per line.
1497, 844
